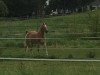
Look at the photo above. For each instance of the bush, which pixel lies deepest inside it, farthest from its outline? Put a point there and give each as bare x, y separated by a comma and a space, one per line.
70, 56
20, 45
94, 23
52, 57
40, 56
91, 54
10, 44
3, 8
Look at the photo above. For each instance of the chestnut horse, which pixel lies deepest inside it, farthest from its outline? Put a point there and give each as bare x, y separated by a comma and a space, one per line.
37, 38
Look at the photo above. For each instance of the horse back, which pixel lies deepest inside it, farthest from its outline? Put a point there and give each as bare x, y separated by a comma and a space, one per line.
31, 34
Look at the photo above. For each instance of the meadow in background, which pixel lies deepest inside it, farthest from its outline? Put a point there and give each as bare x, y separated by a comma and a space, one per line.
69, 36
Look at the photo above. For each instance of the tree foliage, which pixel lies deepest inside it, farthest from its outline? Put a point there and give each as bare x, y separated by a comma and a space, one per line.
18, 8
68, 4
3, 9
24, 7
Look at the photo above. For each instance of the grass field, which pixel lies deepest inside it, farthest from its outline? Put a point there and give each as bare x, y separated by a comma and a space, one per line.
49, 68
53, 53
68, 28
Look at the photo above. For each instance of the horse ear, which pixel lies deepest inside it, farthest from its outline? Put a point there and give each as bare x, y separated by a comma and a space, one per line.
43, 23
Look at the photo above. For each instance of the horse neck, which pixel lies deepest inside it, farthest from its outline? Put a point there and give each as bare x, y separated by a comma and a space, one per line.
41, 33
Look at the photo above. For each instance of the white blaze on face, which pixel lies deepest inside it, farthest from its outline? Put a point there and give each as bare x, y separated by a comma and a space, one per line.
46, 27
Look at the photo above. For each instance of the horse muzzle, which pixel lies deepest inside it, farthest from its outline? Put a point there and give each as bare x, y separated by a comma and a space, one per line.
46, 31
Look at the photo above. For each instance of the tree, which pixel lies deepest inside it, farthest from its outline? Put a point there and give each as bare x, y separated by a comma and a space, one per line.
18, 7
68, 4
3, 9
24, 7
39, 6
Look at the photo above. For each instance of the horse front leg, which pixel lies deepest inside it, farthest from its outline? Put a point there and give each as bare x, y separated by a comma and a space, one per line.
45, 45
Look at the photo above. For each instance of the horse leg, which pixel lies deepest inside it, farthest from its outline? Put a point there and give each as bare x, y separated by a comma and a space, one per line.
46, 48
30, 46
27, 49
26, 46
38, 47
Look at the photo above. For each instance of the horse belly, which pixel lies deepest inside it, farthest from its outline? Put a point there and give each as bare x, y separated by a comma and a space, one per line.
33, 38
36, 41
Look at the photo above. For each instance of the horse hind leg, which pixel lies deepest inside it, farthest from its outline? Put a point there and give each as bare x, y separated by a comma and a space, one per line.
38, 46
28, 47
25, 46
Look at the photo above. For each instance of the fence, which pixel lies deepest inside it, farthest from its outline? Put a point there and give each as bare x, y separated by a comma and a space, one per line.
58, 48
50, 67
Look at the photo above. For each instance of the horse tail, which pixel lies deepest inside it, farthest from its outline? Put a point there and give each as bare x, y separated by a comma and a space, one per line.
25, 44
26, 34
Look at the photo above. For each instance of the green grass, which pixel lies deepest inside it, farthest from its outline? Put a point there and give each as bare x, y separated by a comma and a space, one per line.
49, 68
70, 46
80, 23
58, 53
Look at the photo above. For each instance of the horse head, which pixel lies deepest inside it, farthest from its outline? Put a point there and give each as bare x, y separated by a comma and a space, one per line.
44, 28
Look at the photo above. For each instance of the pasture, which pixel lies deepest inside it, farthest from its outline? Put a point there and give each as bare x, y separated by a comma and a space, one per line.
49, 68
67, 33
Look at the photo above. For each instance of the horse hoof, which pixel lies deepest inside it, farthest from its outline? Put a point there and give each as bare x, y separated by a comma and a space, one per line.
47, 54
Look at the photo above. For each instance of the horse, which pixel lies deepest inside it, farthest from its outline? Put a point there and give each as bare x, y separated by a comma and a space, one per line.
36, 37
